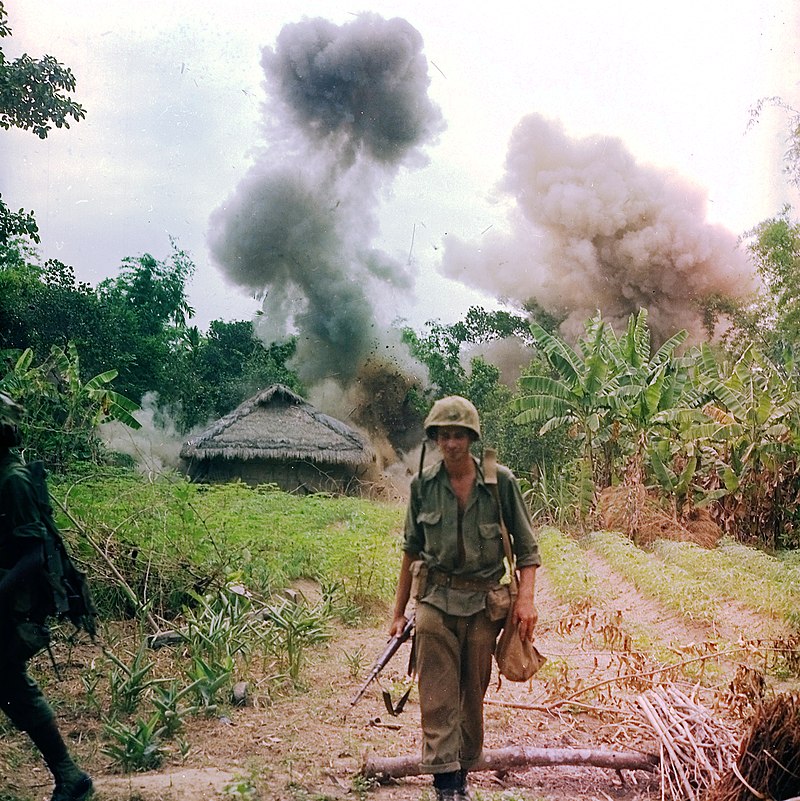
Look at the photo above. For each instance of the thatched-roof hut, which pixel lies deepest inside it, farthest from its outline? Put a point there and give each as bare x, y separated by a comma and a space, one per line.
277, 437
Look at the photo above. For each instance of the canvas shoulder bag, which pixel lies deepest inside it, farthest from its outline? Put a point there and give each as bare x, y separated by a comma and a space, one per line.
517, 659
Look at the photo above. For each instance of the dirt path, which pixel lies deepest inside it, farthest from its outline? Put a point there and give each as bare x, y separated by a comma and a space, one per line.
310, 746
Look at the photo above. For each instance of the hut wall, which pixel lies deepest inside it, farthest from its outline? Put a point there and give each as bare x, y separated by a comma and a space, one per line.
289, 475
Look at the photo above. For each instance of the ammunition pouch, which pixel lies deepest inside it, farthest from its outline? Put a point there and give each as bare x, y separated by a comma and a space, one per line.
419, 579
498, 602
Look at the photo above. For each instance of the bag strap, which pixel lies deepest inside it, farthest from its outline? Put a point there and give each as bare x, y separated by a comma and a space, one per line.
490, 479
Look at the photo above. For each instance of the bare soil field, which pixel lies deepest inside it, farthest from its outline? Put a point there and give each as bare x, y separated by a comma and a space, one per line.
312, 745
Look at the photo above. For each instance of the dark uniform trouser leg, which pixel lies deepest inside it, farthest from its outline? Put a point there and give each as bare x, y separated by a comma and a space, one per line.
21, 699
23, 702
454, 663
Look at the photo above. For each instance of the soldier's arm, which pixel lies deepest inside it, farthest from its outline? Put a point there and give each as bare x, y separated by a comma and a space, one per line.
525, 610
402, 595
26, 567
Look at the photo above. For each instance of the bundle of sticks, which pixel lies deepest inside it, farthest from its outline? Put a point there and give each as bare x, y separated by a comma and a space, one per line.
702, 759
696, 749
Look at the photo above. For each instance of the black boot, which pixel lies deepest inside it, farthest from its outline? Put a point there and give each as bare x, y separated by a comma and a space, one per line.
463, 792
445, 785
72, 784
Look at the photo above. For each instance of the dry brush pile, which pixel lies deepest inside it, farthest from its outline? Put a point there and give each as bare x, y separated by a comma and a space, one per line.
718, 704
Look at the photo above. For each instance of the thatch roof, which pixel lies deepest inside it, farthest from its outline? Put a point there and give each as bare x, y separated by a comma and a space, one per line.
278, 424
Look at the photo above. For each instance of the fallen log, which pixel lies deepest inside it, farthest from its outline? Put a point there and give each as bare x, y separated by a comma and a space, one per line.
518, 756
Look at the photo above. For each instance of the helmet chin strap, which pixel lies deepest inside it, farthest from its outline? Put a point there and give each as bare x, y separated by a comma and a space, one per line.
422, 457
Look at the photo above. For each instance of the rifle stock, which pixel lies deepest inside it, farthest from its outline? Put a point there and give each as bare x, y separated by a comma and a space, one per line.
391, 649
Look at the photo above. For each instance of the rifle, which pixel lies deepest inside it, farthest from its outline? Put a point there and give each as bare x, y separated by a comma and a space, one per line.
381, 662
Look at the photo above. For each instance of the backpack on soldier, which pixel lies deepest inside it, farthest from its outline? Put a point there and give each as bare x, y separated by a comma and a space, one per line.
70, 597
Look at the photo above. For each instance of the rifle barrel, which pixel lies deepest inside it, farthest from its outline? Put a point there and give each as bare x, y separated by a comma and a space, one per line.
380, 663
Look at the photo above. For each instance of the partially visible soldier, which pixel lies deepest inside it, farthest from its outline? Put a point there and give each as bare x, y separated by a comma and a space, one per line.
23, 625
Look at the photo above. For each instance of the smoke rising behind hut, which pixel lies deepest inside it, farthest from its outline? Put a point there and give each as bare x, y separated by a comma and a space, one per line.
347, 106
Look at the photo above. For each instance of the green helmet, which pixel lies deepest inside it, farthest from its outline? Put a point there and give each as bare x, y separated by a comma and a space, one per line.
10, 415
10, 410
452, 411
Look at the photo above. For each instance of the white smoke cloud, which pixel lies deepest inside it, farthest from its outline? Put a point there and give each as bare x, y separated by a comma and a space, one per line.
592, 229
155, 447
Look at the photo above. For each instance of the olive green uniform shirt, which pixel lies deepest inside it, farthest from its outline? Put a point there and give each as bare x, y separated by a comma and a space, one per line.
474, 552
21, 526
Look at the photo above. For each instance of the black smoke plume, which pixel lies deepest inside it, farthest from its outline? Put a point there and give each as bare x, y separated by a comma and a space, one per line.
347, 106
355, 88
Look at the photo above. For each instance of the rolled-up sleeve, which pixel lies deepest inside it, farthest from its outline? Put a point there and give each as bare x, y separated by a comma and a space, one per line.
414, 535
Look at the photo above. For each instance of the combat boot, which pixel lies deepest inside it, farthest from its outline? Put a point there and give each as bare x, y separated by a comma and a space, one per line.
72, 784
446, 786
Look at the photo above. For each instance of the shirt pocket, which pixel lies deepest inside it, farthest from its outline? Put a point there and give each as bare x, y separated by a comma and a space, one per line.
430, 521
491, 544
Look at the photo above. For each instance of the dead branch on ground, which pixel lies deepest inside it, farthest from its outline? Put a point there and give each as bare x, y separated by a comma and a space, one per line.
518, 756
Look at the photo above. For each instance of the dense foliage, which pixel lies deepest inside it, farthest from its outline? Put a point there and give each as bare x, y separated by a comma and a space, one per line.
715, 425
135, 325
169, 539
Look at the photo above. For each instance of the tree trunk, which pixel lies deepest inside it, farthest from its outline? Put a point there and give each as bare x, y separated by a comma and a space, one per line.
520, 756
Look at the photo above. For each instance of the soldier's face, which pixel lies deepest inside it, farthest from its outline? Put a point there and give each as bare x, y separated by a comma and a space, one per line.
453, 442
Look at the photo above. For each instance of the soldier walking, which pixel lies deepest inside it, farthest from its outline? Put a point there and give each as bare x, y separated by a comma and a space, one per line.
23, 624
453, 534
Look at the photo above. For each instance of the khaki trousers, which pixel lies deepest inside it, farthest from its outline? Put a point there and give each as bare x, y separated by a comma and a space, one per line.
454, 664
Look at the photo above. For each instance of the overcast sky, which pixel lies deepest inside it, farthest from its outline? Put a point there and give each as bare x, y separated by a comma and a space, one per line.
175, 100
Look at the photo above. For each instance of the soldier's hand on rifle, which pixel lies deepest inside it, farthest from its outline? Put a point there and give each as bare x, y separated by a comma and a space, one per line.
398, 624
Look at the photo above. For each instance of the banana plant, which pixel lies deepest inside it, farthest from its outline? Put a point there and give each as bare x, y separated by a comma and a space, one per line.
577, 395
92, 402
651, 387
62, 412
756, 414
678, 474
613, 392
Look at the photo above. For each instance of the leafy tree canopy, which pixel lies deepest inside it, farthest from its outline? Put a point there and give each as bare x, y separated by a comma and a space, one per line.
211, 375
16, 224
440, 348
154, 290
33, 92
